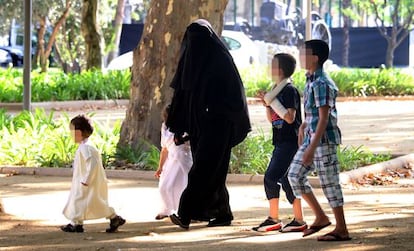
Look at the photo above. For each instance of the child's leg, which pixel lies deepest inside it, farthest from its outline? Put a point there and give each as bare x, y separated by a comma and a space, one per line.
276, 172
271, 186
301, 187
296, 202
340, 227
320, 217
298, 174
297, 210
329, 176
274, 208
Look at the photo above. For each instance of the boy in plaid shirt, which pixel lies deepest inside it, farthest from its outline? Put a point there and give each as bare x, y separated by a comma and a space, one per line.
319, 137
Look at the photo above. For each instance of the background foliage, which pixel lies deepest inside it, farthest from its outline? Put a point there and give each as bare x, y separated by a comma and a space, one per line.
96, 85
58, 86
39, 139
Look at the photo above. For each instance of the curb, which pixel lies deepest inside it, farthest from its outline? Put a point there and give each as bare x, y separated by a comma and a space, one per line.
59, 105
390, 165
252, 179
248, 179
102, 104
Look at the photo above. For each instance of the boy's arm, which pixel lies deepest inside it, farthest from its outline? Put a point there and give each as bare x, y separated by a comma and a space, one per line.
163, 157
269, 113
316, 138
90, 163
301, 133
290, 115
260, 96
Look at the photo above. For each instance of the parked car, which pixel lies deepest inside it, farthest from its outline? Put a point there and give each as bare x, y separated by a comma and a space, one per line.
241, 47
5, 59
121, 62
16, 55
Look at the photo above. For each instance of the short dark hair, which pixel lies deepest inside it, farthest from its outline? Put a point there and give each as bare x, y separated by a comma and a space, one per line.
287, 63
319, 48
83, 124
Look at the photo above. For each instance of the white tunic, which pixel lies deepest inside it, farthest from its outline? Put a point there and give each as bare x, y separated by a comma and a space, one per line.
174, 175
88, 202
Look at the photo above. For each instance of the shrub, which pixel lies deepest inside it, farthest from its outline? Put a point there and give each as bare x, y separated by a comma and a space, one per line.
253, 155
58, 86
96, 85
38, 139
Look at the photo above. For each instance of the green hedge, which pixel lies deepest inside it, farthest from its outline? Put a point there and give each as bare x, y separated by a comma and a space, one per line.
351, 82
96, 85
58, 86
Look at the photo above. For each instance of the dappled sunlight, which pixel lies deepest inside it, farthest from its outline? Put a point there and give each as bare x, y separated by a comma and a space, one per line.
371, 213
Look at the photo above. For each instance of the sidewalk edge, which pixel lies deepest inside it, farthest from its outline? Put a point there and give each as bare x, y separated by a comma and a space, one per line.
345, 177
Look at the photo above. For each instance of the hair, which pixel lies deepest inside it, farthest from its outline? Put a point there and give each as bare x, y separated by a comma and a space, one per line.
287, 63
165, 111
83, 124
319, 48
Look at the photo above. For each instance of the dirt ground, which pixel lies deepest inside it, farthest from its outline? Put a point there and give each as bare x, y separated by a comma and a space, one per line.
379, 218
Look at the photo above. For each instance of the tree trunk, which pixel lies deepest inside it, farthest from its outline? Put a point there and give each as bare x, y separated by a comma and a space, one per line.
345, 49
91, 34
45, 53
119, 17
40, 43
155, 62
391, 46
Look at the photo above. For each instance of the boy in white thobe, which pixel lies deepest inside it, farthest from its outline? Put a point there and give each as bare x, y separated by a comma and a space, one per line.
88, 198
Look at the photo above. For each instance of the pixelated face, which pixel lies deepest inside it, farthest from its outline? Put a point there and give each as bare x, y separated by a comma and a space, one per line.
277, 73
75, 134
307, 59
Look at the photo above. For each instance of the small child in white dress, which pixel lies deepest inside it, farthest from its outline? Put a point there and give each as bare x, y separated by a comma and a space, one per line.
175, 163
88, 198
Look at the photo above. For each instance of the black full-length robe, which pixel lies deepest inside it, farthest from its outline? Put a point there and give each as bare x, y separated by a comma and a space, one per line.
210, 105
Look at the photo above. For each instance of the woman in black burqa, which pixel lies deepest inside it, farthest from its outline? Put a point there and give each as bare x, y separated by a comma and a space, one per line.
210, 105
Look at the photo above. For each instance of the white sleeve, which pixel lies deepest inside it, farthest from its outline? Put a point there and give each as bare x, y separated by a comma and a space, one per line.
278, 108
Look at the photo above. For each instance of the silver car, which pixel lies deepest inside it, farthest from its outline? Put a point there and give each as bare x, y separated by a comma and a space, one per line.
5, 59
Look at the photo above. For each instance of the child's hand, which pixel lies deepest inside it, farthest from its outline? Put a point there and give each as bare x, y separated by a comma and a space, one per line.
158, 173
260, 95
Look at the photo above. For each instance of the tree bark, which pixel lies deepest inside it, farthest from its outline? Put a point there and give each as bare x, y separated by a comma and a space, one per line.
119, 16
40, 52
92, 35
391, 46
155, 62
345, 49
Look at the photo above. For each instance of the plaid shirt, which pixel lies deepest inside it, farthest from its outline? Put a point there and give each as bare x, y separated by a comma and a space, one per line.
320, 90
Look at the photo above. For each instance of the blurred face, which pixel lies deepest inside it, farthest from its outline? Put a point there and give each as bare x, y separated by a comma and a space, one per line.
277, 73
76, 134
307, 60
